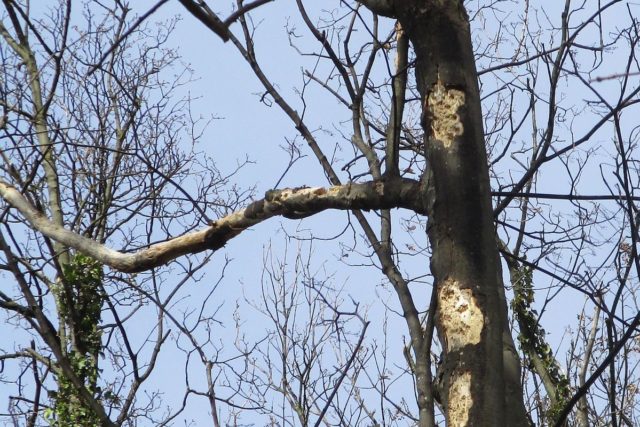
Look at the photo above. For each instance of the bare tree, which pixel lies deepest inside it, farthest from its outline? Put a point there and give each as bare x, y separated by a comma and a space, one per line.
106, 154
501, 129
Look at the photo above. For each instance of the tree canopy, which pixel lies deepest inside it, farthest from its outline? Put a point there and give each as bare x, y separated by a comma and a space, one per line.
467, 168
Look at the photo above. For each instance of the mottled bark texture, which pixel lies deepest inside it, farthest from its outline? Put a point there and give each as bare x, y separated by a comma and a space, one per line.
289, 203
480, 383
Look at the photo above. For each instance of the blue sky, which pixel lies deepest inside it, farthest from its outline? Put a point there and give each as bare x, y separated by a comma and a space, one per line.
244, 128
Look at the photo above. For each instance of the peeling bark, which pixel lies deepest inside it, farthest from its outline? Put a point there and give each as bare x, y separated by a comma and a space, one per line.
290, 203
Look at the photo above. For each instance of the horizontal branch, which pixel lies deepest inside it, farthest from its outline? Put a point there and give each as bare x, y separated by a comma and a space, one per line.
568, 197
381, 7
291, 203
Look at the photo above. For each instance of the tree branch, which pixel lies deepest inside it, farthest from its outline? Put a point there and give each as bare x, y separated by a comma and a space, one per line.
380, 7
293, 203
210, 20
200, 10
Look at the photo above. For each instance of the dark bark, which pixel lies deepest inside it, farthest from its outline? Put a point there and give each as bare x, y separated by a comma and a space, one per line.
480, 373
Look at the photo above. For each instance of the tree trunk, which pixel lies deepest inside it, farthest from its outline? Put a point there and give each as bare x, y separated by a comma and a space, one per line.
480, 372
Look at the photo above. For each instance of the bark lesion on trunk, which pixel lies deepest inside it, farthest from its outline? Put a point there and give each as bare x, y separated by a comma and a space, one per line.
442, 105
461, 324
460, 399
459, 315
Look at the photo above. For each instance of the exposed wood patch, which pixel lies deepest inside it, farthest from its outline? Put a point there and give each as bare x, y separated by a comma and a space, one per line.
460, 400
460, 316
443, 104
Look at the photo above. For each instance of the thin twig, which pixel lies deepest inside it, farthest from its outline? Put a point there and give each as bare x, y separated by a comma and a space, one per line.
125, 35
